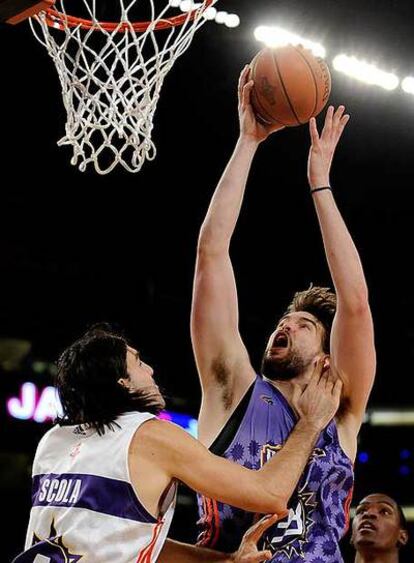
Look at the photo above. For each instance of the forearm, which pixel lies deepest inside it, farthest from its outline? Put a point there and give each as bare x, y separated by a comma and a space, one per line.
222, 215
284, 470
177, 552
341, 254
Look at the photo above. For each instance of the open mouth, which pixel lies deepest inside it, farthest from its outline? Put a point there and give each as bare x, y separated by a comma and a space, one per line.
280, 340
367, 527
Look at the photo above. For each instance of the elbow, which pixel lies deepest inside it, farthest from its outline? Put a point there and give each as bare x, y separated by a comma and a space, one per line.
356, 304
211, 243
278, 504
275, 504
272, 501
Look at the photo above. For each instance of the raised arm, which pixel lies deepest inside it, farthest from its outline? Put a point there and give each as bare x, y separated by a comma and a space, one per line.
221, 357
164, 452
352, 336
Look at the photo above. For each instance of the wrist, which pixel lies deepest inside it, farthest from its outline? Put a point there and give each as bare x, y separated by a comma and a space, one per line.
319, 182
249, 140
326, 188
312, 425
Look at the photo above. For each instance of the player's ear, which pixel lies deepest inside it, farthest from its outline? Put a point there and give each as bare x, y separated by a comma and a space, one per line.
403, 538
123, 382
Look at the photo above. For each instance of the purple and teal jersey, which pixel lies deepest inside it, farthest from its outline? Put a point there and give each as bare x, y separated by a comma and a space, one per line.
318, 509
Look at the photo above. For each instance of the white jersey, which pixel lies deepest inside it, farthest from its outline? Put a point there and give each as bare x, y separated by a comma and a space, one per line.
84, 506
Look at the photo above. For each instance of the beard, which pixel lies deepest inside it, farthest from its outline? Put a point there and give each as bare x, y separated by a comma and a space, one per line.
284, 369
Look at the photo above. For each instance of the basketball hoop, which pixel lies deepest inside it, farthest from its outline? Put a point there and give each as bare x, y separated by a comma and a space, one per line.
111, 76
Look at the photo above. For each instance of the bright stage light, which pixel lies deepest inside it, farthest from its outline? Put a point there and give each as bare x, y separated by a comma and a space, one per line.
274, 36
365, 72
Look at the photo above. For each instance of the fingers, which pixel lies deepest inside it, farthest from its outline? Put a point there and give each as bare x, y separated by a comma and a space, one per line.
260, 556
324, 376
339, 122
335, 123
313, 131
319, 369
325, 379
245, 97
255, 532
327, 129
337, 116
243, 79
334, 384
342, 124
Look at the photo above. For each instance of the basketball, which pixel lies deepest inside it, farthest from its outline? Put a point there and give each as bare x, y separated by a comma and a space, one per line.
291, 85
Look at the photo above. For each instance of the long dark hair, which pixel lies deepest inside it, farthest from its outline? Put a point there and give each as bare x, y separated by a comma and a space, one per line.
87, 381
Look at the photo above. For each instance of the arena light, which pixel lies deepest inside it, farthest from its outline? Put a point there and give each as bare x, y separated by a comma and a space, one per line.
363, 457
221, 17
232, 20
43, 405
408, 84
211, 13
187, 5
40, 404
23, 407
379, 417
365, 72
274, 36
34, 404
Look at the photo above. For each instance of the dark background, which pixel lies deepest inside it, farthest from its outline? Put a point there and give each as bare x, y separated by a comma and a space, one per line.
76, 248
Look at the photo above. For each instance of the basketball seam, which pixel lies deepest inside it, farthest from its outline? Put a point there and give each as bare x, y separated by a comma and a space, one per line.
257, 101
270, 118
313, 78
284, 88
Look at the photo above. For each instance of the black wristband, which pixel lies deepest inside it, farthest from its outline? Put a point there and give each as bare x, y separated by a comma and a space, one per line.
320, 189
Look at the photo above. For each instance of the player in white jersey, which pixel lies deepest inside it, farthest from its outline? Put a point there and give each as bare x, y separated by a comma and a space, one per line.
105, 477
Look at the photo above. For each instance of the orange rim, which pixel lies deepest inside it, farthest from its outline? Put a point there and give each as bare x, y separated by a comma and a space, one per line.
54, 18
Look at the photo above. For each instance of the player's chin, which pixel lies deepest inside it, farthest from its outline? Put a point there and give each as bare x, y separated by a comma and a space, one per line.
150, 399
277, 368
364, 541
157, 401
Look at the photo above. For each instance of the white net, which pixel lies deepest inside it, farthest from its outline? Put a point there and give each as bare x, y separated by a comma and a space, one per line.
111, 77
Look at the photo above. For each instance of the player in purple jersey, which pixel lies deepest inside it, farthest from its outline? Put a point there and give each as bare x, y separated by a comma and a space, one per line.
379, 530
246, 417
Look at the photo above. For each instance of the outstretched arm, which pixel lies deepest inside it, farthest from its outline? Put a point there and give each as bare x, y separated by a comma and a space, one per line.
166, 452
352, 337
221, 357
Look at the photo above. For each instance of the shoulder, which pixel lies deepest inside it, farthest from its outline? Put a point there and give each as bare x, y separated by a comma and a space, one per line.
53, 433
50, 443
156, 434
133, 418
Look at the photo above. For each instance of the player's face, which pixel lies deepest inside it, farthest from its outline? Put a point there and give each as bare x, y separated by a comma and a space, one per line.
377, 524
141, 375
293, 346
